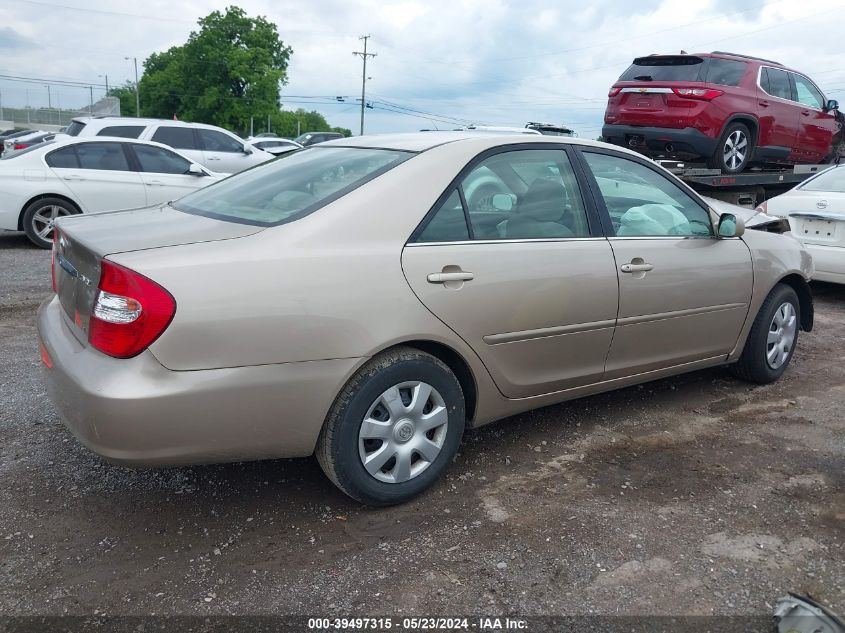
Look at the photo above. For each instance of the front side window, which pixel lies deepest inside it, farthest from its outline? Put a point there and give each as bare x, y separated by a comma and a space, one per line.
644, 203
160, 161
777, 83
807, 93
123, 131
282, 191
102, 156
521, 194
175, 136
214, 141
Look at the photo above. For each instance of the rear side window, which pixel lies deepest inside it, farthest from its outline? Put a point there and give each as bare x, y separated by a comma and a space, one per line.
176, 137
286, 190
123, 131
449, 224
64, 158
665, 68
103, 156
214, 141
74, 128
725, 72
158, 160
776, 83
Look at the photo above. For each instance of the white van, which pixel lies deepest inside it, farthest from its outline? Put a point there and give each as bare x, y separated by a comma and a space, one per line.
215, 148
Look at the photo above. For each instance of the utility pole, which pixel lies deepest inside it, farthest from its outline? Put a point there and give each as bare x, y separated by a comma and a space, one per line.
91, 103
137, 96
107, 83
363, 55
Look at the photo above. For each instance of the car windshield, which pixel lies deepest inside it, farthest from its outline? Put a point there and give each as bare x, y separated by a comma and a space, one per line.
286, 190
26, 150
829, 180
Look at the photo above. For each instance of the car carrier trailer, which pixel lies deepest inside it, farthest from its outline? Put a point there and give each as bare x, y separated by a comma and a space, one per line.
747, 189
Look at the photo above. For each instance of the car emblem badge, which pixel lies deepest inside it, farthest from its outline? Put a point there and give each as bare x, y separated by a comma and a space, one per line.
822, 204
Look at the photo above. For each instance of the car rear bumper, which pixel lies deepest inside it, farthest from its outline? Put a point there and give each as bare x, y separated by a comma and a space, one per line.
684, 142
135, 411
829, 263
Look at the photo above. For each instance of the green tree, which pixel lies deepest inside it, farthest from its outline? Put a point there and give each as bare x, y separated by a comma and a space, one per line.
126, 94
227, 71
286, 123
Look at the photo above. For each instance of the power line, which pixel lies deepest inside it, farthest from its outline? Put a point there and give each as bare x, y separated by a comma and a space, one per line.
104, 12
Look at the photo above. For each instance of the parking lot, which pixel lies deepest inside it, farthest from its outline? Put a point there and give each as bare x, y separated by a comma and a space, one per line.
691, 495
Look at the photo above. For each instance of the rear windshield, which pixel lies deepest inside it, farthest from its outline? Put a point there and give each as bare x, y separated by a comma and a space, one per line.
681, 68
289, 188
74, 128
830, 180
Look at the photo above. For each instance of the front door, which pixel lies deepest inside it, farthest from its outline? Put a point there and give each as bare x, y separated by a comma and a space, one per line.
512, 261
165, 174
816, 127
683, 292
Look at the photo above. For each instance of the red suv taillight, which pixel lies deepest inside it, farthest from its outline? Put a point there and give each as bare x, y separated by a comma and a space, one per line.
705, 94
614, 91
130, 312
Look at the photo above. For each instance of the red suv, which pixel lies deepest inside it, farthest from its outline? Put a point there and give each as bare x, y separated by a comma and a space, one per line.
729, 109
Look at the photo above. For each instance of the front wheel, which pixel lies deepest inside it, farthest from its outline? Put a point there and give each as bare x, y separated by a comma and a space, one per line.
394, 428
734, 149
772, 339
40, 217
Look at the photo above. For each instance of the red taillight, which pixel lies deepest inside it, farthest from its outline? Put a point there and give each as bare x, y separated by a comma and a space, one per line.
21, 145
705, 94
614, 91
45, 356
130, 312
53, 257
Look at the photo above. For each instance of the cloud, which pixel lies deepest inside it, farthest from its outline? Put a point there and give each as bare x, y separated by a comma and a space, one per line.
11, 39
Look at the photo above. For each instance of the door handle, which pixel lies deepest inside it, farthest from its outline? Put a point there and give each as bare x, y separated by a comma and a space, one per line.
442, 278
764, 104
636, 268
805, 112
213, 158
72, 177
156, 183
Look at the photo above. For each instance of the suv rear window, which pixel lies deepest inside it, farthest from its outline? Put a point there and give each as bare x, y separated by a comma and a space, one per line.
74, 128
282, 191
725, 72
665, 68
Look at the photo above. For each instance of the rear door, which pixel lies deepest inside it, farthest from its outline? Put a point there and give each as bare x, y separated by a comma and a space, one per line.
512, 259
182, 138
816, 127
778, 115
165, 174
224, 153
683, 292
100, 175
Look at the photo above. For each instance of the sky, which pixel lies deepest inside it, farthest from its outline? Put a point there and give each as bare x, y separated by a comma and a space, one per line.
439, 64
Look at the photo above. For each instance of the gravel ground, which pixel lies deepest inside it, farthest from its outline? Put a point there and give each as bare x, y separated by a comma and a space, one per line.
692, 495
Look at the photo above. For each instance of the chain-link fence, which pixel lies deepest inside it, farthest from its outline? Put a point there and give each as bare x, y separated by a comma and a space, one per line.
33, 117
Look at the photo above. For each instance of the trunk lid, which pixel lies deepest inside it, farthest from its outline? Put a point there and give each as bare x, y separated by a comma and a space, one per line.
84, 240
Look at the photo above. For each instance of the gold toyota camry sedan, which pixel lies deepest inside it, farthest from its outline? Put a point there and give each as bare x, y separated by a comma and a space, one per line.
367, 299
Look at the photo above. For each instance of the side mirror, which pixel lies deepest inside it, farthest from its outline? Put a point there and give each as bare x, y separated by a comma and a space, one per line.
832, 104
247, 149
502, 202
196, 170
731, 226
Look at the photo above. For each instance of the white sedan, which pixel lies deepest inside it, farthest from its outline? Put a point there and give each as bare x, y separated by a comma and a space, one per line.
816, 212
72, 175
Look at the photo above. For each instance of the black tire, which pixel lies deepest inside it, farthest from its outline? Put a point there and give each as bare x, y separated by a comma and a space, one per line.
753, 365
33, 215
733, 132
338, 445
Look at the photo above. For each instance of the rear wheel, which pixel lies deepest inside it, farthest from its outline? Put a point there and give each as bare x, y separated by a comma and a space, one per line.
394, 428
772, 339
734, 149
40, 216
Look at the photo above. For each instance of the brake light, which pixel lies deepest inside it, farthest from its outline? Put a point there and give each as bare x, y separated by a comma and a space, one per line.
761, 208
130, 312
21, 145
614, 91
705, 94
53, 258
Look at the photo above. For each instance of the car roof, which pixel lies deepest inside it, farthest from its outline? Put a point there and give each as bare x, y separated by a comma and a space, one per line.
422, 141
108, 121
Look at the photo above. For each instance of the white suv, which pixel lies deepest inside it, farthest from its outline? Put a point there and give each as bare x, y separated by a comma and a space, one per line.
215, 148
